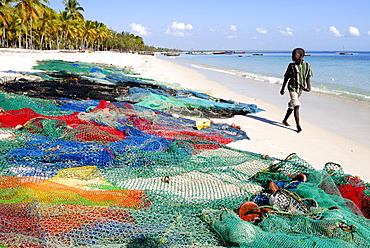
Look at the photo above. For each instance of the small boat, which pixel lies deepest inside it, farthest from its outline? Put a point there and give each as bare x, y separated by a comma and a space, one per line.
345, 53
199, 53
223, 52
172, 54
146, 53
257, 54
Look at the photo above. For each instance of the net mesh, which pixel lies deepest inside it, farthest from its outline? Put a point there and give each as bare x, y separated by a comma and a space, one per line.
93, 173
80, 81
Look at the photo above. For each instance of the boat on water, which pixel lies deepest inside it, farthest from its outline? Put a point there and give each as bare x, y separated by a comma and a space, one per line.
223, 52
199, 53
345, 53
172, 54
257, 54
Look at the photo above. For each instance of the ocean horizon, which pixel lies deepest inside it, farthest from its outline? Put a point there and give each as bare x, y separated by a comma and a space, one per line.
339, 75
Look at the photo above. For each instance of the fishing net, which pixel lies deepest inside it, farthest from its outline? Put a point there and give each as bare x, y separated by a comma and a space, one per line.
146, 194
80, 81
107, 122
298, 214
95, 173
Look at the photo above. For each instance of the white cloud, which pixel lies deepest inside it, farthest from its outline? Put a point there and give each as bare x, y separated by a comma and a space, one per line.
261, 30
368, 33
230, 36
139, 29
335, 31
287, 32
317, 30
179, 29
181, 26
353, 31
214, 30
233, 28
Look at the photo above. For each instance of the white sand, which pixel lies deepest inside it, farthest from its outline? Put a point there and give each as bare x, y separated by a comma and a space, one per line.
316, 145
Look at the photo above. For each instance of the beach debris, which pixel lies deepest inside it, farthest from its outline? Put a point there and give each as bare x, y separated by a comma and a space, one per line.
233, 125
166, 179
203, 124
265, 156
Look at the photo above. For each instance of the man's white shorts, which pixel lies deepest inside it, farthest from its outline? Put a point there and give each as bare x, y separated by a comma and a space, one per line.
294, 99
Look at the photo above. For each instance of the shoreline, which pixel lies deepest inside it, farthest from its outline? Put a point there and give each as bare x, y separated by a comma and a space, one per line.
314, 104
267, 135
318, 87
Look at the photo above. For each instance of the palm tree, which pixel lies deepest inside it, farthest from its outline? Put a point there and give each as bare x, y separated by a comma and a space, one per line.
28, 10
37, 25
88, 33
102, 34
66, 27
6, 11
46, 24
73, 8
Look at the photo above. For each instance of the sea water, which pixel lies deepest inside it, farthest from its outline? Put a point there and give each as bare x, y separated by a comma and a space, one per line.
335, 74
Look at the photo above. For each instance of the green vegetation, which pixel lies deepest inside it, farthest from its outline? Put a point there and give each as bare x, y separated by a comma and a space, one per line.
31, 24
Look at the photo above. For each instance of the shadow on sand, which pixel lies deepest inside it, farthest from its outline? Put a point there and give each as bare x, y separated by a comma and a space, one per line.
275, 123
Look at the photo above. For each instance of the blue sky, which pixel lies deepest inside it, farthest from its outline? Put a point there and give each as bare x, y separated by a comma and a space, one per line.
315, 25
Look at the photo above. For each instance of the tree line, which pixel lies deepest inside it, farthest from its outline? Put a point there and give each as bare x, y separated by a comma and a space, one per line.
31, 24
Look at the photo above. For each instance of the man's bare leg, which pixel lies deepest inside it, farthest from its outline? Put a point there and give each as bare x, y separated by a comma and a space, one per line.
288, 113
296, 117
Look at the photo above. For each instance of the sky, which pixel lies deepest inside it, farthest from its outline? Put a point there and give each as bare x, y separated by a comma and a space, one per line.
315, 25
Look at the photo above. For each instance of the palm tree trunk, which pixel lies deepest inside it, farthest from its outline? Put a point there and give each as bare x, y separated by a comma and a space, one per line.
3, 39
26, 41
66, 41
58, 43
31, 42
42, 39
19, 37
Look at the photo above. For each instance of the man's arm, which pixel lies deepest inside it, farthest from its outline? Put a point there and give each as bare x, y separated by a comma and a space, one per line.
308, 88
283, 87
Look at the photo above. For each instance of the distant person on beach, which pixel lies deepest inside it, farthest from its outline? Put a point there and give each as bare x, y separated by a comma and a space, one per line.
297, 76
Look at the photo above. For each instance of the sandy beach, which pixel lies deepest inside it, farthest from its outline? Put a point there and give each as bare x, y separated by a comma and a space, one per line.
316, 145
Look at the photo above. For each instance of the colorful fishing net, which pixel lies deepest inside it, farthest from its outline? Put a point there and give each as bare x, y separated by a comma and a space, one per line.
312, 213
81, 81
100, 172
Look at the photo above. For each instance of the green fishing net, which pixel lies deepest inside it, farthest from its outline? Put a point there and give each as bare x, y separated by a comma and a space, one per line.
77, 172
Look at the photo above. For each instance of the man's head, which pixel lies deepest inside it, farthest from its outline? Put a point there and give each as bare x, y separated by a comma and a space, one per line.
298, 54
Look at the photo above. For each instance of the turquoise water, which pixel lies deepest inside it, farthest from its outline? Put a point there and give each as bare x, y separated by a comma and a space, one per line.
341, 75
